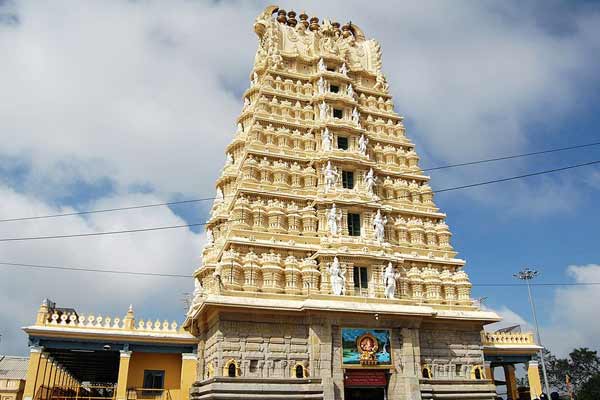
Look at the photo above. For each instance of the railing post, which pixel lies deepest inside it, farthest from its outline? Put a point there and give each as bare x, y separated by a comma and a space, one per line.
124, 359
35, 356
189, 370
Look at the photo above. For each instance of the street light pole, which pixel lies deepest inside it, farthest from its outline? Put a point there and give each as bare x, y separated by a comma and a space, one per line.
526, 275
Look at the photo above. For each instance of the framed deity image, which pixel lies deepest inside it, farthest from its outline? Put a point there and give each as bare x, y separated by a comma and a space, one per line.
366, 347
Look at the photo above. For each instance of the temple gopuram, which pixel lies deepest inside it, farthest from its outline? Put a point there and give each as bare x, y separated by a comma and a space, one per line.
328, 271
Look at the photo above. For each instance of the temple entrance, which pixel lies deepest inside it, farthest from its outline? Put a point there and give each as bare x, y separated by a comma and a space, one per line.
365, 384
364, 393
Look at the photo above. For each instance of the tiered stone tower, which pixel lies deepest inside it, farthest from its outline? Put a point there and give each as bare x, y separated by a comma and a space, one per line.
324, 227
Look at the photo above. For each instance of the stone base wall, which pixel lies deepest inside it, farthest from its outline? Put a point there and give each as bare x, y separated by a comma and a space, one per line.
451, 351
259, 389
267, 346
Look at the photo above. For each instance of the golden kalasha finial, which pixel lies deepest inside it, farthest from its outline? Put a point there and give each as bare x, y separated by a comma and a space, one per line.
292, 18
281, 18
304, 19
314, 24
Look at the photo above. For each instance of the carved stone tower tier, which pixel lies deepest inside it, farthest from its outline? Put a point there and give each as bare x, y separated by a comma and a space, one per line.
328, 272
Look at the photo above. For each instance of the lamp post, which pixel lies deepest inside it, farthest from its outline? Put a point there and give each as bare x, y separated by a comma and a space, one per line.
526, 275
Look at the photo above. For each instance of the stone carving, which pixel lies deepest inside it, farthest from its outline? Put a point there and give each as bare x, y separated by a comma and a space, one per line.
240, 128
380, 82
334, 220
331, 176
350, 91
323, 110
338, 281
379, 223
219, 197
362, 144
229, 160
326, 140
344, 69
389, 281
198, 291
355, 116
370, 180
321, 85
210, 239
321, 65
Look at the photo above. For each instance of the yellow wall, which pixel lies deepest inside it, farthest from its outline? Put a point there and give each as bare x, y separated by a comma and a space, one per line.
170, 363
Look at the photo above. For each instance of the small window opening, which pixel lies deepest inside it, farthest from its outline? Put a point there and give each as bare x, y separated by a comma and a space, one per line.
477, 373
253, 365
361, 279
348, 179
299, 371
426, 374
342, 143
330, 69
334, 88
231, 370
458, 368
354, 224
337, 113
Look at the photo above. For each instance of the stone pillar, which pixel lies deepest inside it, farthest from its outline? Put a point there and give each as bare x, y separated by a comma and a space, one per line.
189, 371
511, 382
533, 375
489, 370
123, 374
411, 367
31, 382
44, 372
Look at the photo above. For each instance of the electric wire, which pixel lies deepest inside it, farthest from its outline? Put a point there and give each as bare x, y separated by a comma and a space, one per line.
17, 239
198, 200
169, 275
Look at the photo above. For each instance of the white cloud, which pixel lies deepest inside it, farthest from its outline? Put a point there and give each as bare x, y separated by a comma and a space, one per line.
573, 322
148, 92
175, 251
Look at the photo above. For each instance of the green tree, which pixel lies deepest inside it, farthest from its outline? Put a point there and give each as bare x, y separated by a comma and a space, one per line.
590, 390
582, 365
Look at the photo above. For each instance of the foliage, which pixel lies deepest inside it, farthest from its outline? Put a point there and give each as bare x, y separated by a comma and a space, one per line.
582, 366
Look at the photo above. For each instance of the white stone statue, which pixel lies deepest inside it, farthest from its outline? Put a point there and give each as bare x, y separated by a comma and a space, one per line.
321, 65
219, 197
321, 85
229, 160
210, 239
370, 180
246, 103
379, 226
362, 145
254, 79
331, 176
240, 128
323, 108
333, 220
350, 91
326, 140
338, 281
198, 289
344, 69
389, 281
355, 116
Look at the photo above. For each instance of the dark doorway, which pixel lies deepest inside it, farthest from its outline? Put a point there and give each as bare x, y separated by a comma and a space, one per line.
364, 393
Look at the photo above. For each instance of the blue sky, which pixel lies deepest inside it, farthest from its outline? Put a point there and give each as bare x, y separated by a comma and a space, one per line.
120, 103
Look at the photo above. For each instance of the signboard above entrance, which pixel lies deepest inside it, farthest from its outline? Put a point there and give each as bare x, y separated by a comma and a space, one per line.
364, 378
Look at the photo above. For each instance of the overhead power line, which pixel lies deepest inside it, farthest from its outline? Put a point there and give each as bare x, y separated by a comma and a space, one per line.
173, 203
548, 171
535, 153
167, 275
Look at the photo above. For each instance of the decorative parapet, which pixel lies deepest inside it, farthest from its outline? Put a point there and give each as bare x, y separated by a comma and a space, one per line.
507, 338
50, 316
